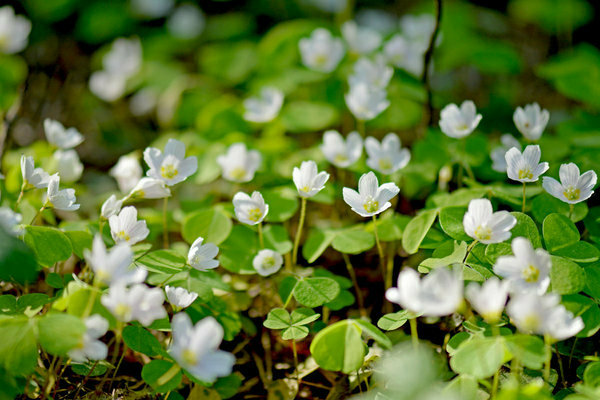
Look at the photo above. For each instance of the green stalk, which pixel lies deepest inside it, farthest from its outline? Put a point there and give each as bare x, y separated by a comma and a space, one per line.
379, 249
299, 232
413, 332
261, 239
524, 188
165, 224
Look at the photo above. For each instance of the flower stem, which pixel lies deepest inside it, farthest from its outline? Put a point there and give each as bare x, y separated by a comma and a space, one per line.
165, 224
36, 216
359, 295
379, 249
413, 332
495, 384
360, 127
295, 351
524, 188
548, 348
20, 196
167, 376
571, 210
261, 239
469, 249
299, 231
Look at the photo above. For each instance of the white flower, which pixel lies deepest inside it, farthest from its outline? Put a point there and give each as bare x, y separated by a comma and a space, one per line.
14, 31
139, 303
498, 153
459, 122
341, 153
196, 348
127, 171
267, 262
366, 101
126, 228
32, 176
10, 220
543, 315
152, 8
528, 269
143, 102
321, 51
171, 166
265, 107
239, 164
439, 293
573, 187
108, 86
250, 210
418, 29
179, 297
373, 73
90, 348
149, 188
60, 137
186, 22
112, 267
68, 165
526, 166
111, 207
488, 299
371, 199
388, 156
202, 256
60, 199
404, 54
486, 226
361, 40
308, 180
531, 121
124, 57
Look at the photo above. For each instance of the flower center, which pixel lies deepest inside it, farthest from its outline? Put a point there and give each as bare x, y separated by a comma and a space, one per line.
572, 193
122, 311
254, 214
385, 164
103, 275
168, 171
531, 274
268, 262
123, 236
462, 127
238, 173
371, 205
531, 322
305, 189
483, 233
321, 59
189, 357
340, 158
525, 174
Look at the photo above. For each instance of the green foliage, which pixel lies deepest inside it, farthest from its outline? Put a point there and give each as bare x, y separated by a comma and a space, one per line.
416, 230
294, 324
211, 224
49, 244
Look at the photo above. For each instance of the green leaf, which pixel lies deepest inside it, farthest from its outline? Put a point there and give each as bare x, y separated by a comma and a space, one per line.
393, 321
339, 347
314, 292
544, 205
231, 62
276, 238
581, 252
163, 261
32, 301
283, 204
58, 333
390, 228
353, 241
17, 262
278, 318
566, 276
416, 229
371, 331
495, 250
592, 278
559, 232
55, 280
211, 224
585, 308
157, 371
591, 375
308, 116
457, 256
317, 242
295, 332
479, 357
90, 369
18, 347
80, 240
304, 316
237, 252
49, 244
526, 228
528, 349
141, 340
451, 221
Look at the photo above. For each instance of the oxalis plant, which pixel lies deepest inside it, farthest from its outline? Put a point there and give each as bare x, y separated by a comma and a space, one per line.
284, 201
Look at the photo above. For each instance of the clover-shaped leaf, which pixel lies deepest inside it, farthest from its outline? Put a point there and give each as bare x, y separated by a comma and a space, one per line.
294, 325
